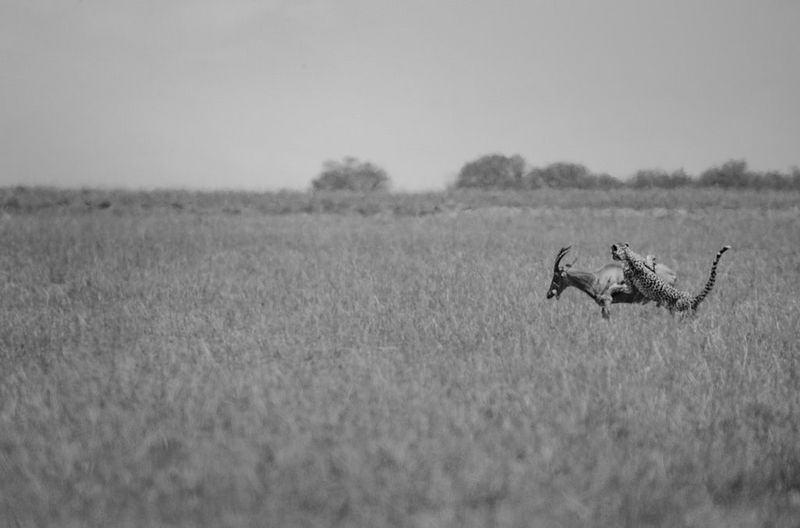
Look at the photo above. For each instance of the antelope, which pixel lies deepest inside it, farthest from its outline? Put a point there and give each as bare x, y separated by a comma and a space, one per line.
606, 285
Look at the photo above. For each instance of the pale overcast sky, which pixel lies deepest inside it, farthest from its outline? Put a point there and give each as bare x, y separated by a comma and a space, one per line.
258, 94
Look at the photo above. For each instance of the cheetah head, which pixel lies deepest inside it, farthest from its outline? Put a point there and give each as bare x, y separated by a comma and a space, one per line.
619, 251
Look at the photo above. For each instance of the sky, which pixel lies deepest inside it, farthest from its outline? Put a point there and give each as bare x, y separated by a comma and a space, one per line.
246, 94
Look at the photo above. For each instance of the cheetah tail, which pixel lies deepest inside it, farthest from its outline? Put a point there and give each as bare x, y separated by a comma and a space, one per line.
711, 279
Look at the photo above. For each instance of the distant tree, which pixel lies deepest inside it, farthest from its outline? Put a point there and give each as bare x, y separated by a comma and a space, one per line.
564, 175
493, 171
732, 173
774, 180
606, 181
351, 175
778, 180
793, 178
657, 178
647, 178
679, 178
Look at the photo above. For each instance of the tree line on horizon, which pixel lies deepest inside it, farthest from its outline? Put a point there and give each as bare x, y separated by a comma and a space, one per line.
501, 172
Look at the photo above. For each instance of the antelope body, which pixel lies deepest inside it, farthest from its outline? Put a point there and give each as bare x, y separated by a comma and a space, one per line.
604, 286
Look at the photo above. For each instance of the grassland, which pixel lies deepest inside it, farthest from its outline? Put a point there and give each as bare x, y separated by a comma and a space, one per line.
208, 362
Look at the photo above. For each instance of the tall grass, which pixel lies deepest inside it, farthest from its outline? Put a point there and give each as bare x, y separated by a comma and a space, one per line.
321, 370
48, 201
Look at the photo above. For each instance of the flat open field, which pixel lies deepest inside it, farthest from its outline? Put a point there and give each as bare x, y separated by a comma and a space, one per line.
219, 366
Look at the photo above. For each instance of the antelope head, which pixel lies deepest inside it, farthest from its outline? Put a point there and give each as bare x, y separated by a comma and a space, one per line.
560, 281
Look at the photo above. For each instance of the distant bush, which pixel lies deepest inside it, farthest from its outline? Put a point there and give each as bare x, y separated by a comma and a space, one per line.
560, 175
606, 181
494, 171
780, 181
565, 175
351, 175
499, 172
735, 174
660, 179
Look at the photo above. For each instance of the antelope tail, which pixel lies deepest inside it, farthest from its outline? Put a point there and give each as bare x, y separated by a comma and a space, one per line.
711, 279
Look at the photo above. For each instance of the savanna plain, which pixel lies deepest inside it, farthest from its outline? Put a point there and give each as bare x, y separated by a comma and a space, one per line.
224, 365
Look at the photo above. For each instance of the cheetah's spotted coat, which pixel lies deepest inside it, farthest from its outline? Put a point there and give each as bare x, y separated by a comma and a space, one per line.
639, 275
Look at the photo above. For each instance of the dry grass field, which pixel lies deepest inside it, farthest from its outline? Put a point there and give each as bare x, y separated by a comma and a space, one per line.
186, 366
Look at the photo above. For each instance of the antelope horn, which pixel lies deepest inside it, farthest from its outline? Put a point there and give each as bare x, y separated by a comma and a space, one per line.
561, 253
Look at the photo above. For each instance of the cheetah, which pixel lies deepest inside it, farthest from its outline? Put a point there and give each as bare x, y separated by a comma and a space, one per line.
639, 276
